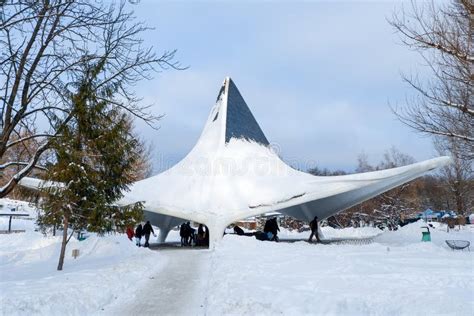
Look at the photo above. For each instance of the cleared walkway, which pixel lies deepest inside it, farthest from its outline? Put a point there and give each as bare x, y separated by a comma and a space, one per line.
179, 289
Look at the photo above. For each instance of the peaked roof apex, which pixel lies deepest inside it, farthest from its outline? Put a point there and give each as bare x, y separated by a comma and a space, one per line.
240, 122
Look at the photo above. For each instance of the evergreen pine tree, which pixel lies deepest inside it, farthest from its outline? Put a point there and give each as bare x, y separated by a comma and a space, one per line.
94, 154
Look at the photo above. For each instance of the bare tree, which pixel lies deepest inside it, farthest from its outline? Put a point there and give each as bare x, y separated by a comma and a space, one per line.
389, 207
443, 34
42, 45
22, 152
458, 178
363, 164
401, 201
142, 166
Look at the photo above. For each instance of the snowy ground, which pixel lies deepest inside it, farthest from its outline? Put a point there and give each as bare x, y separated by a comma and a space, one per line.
396, 274
103, 273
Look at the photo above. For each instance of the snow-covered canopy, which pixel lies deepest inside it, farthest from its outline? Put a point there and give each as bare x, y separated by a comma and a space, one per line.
233, 173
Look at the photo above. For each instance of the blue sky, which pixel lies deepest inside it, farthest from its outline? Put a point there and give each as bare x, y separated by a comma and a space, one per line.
318, 77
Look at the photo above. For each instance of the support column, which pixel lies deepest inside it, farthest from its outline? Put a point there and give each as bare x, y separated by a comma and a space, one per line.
216, 232
164, 231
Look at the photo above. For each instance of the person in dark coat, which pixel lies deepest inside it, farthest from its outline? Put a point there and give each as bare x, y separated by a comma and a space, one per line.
314, 230
182, 234
274, 227
201, 236
187, 231
201, 230
190, 234
267, 226
138, 234
271, 229
147, 230
239, 231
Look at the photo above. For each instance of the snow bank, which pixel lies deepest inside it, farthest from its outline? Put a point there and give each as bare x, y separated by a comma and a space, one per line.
411, 234
350, 232
107, 269
395, 275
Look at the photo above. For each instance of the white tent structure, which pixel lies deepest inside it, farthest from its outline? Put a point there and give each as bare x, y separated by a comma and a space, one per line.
233, 173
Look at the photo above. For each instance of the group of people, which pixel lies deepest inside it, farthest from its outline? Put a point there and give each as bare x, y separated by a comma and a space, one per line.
189, 237
271, 229
141, 231
201, 239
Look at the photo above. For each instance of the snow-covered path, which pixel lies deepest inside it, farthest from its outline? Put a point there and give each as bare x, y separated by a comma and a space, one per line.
178, 289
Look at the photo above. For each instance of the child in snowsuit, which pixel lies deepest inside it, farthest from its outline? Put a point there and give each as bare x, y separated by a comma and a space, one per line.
130, 232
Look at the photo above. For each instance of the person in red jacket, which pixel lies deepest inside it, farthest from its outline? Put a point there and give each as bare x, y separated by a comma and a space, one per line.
130, 233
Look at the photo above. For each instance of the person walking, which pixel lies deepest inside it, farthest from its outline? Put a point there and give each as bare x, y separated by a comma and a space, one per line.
138, 234
147, 230
182, 234
314, 230
190, 234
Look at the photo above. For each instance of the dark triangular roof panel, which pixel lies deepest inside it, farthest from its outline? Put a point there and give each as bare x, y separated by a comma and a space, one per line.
240, 123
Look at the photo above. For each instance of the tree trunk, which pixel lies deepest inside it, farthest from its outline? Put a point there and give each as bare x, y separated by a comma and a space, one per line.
459, 203
63, 244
